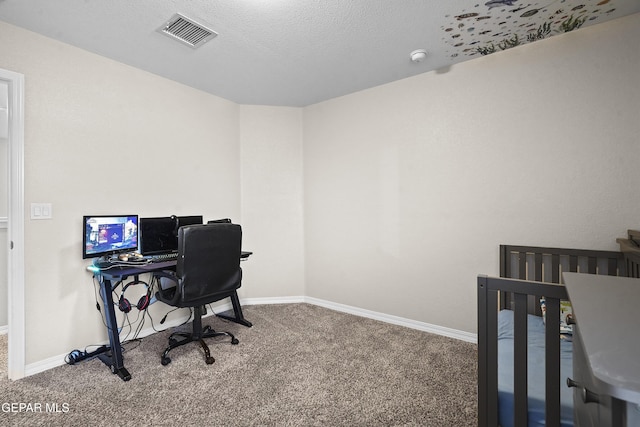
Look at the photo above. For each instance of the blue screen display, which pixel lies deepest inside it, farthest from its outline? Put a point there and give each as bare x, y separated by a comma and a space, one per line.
109, 234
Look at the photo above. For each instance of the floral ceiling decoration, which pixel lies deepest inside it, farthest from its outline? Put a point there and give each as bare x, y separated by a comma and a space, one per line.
496, 25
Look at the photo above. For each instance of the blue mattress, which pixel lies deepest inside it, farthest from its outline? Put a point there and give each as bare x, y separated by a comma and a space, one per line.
535, 372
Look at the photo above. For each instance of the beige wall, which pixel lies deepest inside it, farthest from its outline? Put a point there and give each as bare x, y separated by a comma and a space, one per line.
361, 200
411, 187
271, 159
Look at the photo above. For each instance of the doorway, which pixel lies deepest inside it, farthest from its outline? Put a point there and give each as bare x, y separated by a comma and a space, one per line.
12, 132
4, 203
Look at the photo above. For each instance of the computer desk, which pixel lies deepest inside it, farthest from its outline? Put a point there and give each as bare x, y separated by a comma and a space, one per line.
112, 355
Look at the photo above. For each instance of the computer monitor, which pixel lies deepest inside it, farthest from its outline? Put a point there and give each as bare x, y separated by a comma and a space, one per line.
159, 235
219, 221
188, 220
106, 235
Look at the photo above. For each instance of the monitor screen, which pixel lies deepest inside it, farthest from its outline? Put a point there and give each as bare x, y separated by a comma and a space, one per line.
158, 235
106, 235
188, 220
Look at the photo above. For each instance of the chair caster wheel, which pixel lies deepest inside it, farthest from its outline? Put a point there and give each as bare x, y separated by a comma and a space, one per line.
210, 360
234, 341
165, 361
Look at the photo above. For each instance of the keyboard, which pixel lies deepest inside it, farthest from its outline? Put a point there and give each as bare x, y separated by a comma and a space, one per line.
172, 256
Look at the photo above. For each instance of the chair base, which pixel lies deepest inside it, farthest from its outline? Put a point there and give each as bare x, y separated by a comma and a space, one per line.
187, 338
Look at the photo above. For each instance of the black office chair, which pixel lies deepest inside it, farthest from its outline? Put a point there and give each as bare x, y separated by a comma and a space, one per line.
207, 270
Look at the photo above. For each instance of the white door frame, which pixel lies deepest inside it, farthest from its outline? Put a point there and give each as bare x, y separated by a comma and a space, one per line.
15, 263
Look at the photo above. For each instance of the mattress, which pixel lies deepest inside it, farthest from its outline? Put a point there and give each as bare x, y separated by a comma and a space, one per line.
535, 374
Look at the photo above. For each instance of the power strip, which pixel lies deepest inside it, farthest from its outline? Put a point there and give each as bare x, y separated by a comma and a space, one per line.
77, 356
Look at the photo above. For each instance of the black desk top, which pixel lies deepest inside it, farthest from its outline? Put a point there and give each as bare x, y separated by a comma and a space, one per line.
120, 269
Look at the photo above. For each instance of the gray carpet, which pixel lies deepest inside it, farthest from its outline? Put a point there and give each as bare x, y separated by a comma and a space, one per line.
299, 365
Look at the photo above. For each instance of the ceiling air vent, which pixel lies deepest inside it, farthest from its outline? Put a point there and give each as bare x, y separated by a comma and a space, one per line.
187, 31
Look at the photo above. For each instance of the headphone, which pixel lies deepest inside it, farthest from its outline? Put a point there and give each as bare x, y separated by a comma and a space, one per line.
125, 306
176, 225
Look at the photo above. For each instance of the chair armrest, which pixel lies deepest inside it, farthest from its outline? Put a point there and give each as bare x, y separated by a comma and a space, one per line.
168, 295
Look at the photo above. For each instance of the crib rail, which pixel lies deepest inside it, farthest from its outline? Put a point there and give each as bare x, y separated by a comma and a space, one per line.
490, 291
541, 264
528, 273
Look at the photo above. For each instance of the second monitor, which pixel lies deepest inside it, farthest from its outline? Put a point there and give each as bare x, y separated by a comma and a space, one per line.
159, 235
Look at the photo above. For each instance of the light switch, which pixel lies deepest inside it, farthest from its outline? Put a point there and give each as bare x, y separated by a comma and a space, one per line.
41, 211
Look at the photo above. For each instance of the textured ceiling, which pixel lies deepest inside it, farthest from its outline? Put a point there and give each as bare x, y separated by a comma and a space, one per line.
300, 52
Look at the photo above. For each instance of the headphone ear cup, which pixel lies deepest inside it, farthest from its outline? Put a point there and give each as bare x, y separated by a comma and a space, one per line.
124, 305
143, 303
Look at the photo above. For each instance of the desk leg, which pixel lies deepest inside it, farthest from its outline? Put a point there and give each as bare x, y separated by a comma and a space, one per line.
237, 311
113, 358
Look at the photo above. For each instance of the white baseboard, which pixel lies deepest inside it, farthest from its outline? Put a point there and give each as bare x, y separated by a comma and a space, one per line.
387, 318
52, 362
395, 320
273, 300
4, 330
55, 361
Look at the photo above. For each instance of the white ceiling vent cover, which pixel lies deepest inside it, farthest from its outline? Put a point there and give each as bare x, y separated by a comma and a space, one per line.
187, 31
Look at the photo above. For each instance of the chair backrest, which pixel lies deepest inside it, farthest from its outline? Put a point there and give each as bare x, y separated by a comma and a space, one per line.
208, 264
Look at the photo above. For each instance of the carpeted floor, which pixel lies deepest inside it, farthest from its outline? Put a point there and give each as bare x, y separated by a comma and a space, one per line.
299, 365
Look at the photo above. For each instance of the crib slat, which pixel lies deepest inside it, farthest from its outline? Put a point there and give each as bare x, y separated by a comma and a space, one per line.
522, 266
520, 344
573, 263
555, 268
538, 267
612, 267
552, 362
492, 353
538, 261
505, 261
505, 271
